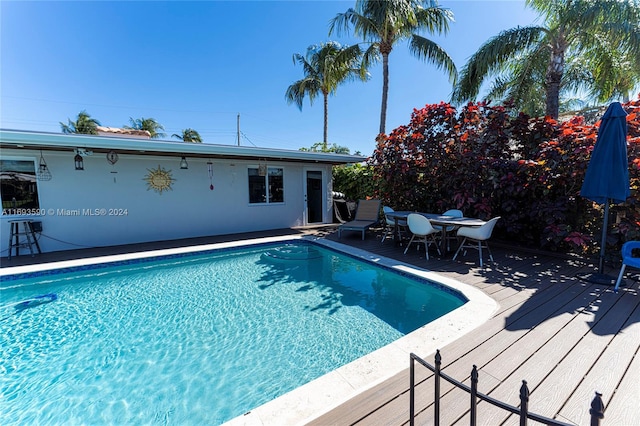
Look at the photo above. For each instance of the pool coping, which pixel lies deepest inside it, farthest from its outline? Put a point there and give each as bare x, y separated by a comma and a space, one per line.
321, 395
24, 271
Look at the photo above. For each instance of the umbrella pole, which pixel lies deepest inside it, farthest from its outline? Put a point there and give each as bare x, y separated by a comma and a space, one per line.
604, 237
600, 277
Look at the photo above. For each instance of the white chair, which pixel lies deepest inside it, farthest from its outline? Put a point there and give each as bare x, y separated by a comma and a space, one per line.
628, 260
421, 228
390, 224
477, 238
446, 229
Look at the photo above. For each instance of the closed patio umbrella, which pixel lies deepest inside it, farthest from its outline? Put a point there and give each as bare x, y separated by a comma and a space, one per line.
607, 178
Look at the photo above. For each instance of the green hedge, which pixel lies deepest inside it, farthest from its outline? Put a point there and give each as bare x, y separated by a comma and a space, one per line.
488, 161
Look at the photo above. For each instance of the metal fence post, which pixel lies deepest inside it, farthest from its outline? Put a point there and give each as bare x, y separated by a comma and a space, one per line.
411, 390
597, 406
436, 405
597, 409
524, 403
474, 395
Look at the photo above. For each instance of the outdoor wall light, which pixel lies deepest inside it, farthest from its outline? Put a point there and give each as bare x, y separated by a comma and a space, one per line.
79, 162
183, 164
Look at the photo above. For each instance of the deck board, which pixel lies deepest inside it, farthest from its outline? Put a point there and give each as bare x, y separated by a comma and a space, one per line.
618, 410
563, 335
576, 364
552, 341
606, 373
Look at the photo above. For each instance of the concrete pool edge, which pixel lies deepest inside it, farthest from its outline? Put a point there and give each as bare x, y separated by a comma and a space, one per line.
321, 395
141, 255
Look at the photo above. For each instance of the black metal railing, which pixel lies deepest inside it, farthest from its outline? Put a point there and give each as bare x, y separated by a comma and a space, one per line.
596, 411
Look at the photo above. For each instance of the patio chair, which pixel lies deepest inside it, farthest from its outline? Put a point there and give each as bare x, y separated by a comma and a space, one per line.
447, 229
628, 260
421, 228
367, 215
477, 238
390, 224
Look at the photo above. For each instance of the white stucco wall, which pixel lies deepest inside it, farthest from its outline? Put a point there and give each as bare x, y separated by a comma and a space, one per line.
141, 214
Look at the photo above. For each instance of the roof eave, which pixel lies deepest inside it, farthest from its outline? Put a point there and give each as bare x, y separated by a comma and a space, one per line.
60, 141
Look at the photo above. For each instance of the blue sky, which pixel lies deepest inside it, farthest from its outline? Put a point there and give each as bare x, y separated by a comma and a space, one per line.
200, 64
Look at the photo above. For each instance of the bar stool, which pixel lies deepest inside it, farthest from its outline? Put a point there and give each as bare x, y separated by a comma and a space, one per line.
15, 241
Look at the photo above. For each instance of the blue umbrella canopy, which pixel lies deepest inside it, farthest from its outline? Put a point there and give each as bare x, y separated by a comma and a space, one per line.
607, 176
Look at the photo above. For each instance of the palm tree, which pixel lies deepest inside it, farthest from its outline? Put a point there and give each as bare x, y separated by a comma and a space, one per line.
614, 75
84, 124
382, 24
188, 135
572, 50
149, 124
325, 67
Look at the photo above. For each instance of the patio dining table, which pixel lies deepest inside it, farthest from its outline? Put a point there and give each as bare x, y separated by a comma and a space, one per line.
436, 219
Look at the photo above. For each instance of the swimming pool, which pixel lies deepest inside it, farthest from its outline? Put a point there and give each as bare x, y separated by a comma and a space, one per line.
136, 344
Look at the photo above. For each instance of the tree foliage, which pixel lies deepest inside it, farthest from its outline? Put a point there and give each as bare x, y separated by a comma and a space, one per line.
154, 128
188, 135
585, 45
322, 147
383, 24
489, 161
355, 181
325, 67
84, 124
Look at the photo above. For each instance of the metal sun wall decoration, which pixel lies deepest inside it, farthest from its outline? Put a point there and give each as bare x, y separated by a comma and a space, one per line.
159, 179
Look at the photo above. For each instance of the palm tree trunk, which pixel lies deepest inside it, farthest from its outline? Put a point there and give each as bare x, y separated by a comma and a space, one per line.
385, 90
326, 121
555, 70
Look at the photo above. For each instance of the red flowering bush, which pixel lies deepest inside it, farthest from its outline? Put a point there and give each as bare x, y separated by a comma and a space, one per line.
488, 161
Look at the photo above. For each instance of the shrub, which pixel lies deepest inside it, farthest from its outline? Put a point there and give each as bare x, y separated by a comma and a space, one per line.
355, 181
491, 161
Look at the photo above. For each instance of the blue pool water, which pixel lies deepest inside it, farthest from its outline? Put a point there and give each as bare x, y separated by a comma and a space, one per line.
195, 339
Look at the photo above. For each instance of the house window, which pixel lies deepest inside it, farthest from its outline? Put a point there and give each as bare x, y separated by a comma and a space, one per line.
266, 189
18, 186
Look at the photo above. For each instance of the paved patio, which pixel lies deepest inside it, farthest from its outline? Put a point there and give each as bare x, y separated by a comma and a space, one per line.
568, 338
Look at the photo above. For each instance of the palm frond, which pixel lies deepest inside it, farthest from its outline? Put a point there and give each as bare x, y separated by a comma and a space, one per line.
434, 19
296, 92
430, 51
492, 57
343, 22
371, 55
84, 124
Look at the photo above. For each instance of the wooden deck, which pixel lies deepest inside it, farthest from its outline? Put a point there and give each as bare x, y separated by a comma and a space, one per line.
566, 337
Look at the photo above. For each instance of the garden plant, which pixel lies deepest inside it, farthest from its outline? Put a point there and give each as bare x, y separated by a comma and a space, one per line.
489, 160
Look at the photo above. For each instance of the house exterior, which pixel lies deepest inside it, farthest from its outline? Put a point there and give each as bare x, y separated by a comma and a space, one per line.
94, 191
